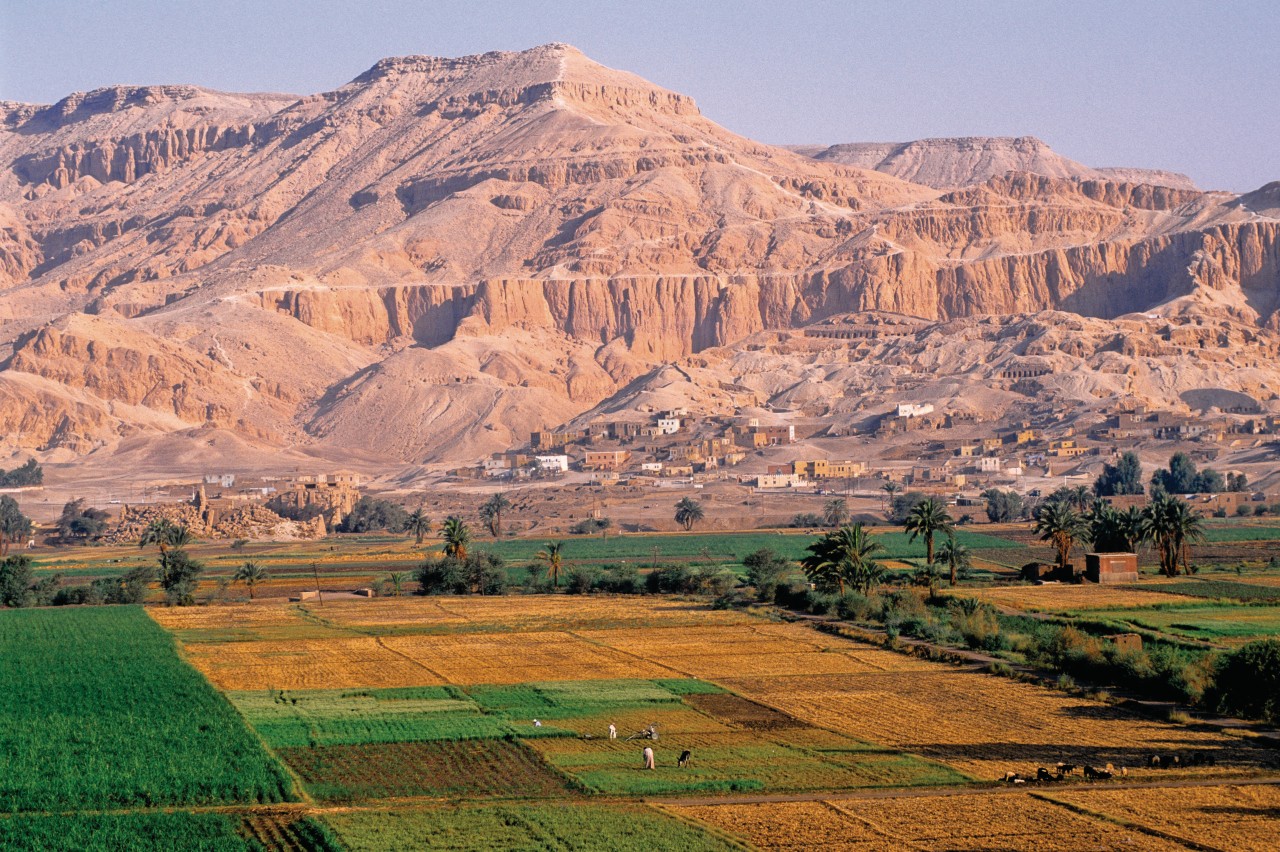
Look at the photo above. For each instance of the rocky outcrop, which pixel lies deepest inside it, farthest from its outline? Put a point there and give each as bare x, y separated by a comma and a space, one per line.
444, 253
963, 161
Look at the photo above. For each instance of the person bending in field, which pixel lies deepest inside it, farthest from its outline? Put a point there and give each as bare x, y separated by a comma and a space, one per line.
648, 758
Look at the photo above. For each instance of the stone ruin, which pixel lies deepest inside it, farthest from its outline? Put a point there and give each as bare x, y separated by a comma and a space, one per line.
206, 519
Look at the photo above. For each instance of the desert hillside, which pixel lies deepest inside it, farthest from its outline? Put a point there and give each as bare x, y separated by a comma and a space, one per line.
444, 254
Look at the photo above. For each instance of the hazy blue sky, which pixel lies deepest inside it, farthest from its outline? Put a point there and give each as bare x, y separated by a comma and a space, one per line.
1189, 86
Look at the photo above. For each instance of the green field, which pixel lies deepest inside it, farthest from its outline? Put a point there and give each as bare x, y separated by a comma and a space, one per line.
98, 711
1233, 624
570, 827
1240, 532
161, 832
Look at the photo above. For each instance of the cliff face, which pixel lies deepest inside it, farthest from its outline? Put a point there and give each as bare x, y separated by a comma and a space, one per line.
963, 161
349, 269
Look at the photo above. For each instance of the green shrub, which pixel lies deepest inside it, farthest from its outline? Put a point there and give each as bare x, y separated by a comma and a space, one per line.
1247, 682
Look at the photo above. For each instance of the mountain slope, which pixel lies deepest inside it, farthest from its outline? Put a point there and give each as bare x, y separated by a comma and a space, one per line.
445, 254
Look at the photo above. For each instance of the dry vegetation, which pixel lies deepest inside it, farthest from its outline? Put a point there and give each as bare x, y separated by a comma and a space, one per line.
1051, 598
1239, 818
954, 822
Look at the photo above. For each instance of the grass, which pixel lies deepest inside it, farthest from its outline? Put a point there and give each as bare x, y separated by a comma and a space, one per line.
98, 711
1220, 589
1240, 532
570, 827
178, 831
1234, 623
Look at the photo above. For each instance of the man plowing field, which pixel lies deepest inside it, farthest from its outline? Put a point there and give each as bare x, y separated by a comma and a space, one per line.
649, 733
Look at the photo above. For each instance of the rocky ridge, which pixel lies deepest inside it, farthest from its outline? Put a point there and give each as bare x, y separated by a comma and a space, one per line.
444, 254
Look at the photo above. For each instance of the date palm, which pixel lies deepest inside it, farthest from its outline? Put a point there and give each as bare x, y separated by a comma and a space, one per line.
955, 556
927, 518
418, 524
552, 556
836, 512
491, 513
1058, 523
456, 537
396, 579
251, 574
688, 513
1172, 525
843, 557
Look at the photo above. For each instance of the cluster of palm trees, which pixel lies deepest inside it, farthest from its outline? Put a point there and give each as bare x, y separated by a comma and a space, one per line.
845, 557
1167, 523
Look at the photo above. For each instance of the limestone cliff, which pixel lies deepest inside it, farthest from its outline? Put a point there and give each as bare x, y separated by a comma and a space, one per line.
444, 254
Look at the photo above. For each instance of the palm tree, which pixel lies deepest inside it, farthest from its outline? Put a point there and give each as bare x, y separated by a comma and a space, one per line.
552, 556
925, 519
1058, 523
418, 524
396, 579
1132, 527
1172, 525
165, 534
688, 513
456, 537
251, 574
955, 556
1082, 497
889, 489
836, 512
843, 556
491, 513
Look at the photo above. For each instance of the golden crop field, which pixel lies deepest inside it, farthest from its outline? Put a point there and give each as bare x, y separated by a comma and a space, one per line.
1060, 598
979, 724
981, 821
1242, 818
525, 613
341, 662
520, 658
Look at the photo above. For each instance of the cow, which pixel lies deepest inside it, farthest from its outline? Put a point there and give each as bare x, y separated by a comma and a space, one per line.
1044, 776
685, 757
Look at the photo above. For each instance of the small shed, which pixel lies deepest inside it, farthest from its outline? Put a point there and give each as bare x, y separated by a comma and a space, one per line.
1111, 567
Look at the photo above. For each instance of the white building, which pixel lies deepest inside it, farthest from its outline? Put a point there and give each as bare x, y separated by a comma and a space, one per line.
989, 464
651, 467
668, 425
914, 409
552, 464
779, 480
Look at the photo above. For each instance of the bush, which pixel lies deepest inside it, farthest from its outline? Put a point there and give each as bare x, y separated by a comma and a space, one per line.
1247, 682
621, 579
590, 525
16, 580
581, 579
903, 504
479, 574
671, 579
1243, 511
764, 572
805, 520
20, 477
1219, 512
371, 514
1260, 510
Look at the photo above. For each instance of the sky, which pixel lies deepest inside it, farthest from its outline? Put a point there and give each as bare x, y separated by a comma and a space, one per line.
1187, 86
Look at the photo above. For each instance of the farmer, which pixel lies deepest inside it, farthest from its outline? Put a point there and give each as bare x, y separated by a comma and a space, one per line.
613, 732
537, 723
648, 758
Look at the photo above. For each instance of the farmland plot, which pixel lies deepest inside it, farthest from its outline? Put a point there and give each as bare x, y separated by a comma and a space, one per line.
958, 822
1239, 818
570, 827
113, 832
1073, 598
98, 711
335, 663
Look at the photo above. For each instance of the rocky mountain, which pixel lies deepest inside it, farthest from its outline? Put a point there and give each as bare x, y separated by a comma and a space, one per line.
962, 161
444, 254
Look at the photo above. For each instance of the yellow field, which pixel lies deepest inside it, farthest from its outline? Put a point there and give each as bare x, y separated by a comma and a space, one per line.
1053, 598
979, 724
1239, 818
520, 658
954, 822
337, 663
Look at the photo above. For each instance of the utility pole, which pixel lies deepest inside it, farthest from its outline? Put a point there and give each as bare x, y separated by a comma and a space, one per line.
315, 572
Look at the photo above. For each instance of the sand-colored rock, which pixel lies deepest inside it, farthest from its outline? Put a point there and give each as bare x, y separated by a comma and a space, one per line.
444, 254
